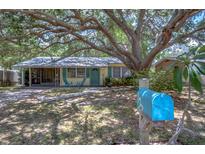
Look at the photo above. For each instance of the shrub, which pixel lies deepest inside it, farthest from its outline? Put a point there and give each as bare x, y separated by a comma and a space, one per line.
161, 80
129, 81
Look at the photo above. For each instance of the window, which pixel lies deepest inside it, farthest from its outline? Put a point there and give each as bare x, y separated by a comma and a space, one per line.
80, 72
125, 72
71, 72
120, 72
116, 72
76, 72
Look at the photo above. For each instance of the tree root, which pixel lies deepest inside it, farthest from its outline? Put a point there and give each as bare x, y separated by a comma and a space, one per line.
180, 126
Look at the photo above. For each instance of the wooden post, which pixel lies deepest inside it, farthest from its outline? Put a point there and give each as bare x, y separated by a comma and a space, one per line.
30, 77
144, 124
55, 76
4, 76
144, 82
22, 77
60, 76
41, 75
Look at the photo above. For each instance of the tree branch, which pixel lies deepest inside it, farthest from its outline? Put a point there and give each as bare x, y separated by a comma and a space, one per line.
175, 23
184, 36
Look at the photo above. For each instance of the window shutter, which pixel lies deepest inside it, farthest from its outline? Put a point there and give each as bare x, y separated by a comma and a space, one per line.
109, 72
87, 72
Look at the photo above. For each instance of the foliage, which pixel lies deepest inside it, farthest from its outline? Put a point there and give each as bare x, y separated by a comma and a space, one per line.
141, 74
128, 81
161, 80
189, 67
136, 37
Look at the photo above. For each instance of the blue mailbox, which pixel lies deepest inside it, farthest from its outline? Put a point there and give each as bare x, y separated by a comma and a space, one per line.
156, 106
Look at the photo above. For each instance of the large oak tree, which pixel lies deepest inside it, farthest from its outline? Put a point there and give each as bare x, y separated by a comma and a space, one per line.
133, 36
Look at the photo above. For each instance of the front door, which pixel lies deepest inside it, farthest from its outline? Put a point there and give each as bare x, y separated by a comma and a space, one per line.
95, 77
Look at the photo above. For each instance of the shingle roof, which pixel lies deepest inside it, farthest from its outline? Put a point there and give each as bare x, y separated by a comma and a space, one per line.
164, 59
69, 62
172, 59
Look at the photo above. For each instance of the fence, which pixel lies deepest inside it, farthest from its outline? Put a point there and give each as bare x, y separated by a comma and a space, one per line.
8, 77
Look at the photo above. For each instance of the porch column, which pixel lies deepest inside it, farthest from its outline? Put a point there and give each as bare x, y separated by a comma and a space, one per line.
61, 77
55, 76
4, 75
41, 75
30, 80
22, 77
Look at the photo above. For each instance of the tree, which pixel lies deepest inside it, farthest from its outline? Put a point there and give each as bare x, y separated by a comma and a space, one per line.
136, 37
188, 67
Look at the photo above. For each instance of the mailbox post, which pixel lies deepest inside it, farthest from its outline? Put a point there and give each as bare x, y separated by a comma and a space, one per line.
144, 124
154, 109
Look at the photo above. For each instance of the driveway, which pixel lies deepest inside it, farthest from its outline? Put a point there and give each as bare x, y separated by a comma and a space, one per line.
14, 96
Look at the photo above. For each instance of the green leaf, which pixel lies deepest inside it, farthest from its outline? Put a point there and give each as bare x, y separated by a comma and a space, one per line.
195, 80
201, 49
192, 51
201, 67
199, 56
185, 73
178, 78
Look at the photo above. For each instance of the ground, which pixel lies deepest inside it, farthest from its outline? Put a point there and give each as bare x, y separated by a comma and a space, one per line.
86, 116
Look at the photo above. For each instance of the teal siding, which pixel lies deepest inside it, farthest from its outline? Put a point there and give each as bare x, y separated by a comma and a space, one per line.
65, 76
87, 72
109, 72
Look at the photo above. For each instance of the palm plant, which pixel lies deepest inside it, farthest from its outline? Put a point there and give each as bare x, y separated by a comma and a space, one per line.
188, 67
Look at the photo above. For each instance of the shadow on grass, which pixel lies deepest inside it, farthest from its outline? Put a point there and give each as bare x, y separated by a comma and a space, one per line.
102, 121
100, 118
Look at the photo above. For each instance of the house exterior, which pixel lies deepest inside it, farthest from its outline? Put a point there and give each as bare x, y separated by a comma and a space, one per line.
164, 63
70, 71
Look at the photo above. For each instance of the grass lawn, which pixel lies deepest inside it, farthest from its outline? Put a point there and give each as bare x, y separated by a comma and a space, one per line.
104, 116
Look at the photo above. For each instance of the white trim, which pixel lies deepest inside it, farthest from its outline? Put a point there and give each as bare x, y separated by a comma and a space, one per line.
121, 72
30, 77
22, 77
76, 72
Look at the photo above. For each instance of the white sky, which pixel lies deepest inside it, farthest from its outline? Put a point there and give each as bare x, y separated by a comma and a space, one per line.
99, 4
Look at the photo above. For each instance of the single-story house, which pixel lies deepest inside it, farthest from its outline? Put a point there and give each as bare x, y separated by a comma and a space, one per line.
70, 71
164, 64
